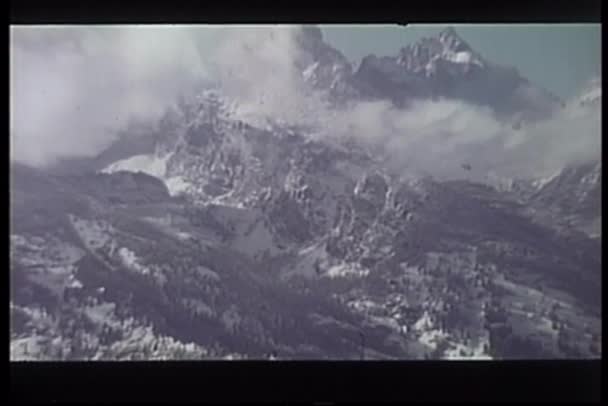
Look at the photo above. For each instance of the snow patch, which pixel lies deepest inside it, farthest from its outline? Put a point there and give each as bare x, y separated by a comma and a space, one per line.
363, 305
344, 269
459, 351
177, 185
424, 323
102, 314
388, 322
309, 71
540, 183
459, 57
431, 338
75, 283
131, 261
149, 164
152, 165
26, 349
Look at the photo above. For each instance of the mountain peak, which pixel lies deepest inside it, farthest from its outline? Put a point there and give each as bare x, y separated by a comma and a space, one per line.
322, 65
452, 41
446, 66
448, 32
424, 55
309, 36
311, 31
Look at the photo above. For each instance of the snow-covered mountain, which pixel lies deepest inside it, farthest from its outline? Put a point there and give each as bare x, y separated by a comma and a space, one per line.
446, 66
220, 238
323, 66
303, 224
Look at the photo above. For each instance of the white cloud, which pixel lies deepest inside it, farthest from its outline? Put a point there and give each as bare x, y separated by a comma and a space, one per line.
73, 87
438, 137
569, 138
255, 65
434, 137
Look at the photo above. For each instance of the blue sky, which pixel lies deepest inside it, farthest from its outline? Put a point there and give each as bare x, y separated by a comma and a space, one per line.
559, 57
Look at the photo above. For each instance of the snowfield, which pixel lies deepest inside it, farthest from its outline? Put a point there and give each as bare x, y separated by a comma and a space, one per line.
308, 227
149, 164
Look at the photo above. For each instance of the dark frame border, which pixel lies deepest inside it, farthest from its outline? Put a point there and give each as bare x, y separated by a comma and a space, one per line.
306, 381
337, 381
403, 12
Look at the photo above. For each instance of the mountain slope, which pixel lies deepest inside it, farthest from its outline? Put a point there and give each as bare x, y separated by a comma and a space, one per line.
270, 220
215, 238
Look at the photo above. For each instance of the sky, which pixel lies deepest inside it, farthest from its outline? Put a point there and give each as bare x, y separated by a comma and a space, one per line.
558, 57
73, 89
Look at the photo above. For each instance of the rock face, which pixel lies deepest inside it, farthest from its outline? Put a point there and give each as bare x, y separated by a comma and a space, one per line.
574, 195
446, 66
322, 65
228, 240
